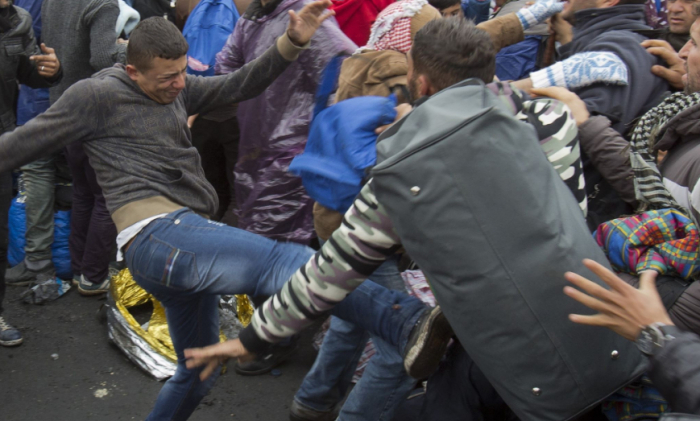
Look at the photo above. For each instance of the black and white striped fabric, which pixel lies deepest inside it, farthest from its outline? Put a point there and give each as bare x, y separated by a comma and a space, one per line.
648, 183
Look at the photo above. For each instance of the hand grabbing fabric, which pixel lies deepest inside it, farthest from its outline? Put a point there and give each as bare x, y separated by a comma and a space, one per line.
539, 12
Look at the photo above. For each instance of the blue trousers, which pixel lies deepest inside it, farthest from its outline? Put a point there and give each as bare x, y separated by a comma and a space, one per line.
187, 261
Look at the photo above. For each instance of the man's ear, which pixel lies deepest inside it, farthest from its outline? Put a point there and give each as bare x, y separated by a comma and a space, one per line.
425, 87
132, 72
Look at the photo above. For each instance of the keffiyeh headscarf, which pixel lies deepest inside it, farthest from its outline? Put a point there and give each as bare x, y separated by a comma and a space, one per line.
396, 25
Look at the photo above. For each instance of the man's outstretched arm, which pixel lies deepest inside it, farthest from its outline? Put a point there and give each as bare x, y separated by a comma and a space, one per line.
69, 119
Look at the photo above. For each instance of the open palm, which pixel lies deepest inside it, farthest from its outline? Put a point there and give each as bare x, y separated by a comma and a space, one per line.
304, 24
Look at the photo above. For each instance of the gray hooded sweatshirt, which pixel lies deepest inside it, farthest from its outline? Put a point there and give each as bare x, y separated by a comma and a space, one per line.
141, 150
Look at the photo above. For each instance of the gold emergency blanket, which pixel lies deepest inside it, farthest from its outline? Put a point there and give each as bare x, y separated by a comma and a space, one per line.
127, 294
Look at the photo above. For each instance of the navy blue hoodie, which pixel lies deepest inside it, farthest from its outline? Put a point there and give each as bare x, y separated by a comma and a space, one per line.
610, 29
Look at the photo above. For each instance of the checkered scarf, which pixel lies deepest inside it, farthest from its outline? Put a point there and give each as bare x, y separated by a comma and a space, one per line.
392, 29
649, 187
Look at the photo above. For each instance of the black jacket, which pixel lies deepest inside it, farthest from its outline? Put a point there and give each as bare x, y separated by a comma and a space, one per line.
610, 29
16, 46
675, 371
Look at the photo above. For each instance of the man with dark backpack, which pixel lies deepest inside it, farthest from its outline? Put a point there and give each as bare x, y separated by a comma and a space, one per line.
465, 188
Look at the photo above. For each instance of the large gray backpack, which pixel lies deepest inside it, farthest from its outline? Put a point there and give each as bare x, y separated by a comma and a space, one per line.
479, 207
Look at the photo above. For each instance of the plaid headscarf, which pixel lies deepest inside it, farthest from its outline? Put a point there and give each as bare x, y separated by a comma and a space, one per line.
393, 28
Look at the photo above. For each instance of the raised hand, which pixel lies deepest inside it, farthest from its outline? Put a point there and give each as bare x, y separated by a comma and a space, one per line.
47, 63
213, 355
303, 25
539, 12
578, 108
675, 69
623, 308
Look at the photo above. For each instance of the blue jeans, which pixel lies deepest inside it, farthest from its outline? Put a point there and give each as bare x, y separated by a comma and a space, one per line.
186, 262
384, 384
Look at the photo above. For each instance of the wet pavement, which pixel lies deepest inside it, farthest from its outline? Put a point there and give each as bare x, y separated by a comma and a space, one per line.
88, 378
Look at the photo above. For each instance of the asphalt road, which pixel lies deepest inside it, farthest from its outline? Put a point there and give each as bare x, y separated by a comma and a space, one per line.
34, 386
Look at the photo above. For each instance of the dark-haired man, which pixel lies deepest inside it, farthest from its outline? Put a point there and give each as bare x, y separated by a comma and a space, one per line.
445, 53
132, 122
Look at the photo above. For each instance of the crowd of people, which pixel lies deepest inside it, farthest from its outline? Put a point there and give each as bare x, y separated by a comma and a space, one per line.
309, 153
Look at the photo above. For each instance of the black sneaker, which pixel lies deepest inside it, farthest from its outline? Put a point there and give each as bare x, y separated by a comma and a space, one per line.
20, 275
266, 363
427, 344
9, 336
299, 412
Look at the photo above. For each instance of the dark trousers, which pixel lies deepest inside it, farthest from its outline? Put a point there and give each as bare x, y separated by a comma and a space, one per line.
92, 232
217, 144
5, 199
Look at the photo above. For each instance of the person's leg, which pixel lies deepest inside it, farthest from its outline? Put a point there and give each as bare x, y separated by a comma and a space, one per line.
100, 239
385, 384
197, 321
327, 383
329, 379
382, 388
184, 260
82, 207
9, 336
205, 135
391, 315
39, 177
5, 200
39, 182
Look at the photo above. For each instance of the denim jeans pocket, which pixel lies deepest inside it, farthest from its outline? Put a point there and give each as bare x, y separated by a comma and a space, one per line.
159, 262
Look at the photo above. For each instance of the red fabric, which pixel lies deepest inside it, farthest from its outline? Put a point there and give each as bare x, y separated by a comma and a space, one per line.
355, 17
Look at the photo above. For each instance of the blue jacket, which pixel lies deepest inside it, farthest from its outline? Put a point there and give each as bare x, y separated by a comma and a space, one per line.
341, 146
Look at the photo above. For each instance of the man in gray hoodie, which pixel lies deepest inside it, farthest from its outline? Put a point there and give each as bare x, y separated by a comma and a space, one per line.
132, 123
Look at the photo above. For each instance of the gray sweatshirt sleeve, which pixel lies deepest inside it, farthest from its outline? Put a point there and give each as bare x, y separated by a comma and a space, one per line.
69, 119
205, 94
609, 152
102, 21
675, 371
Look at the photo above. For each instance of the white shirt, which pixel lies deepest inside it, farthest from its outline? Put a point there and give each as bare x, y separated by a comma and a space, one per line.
132, 231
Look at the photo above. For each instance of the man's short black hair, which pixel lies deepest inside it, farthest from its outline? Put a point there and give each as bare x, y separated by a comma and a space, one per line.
154, 37
626, 2
450, 50
443, 4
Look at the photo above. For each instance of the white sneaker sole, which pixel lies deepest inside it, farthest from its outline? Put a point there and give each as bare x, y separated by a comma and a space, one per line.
12, 343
